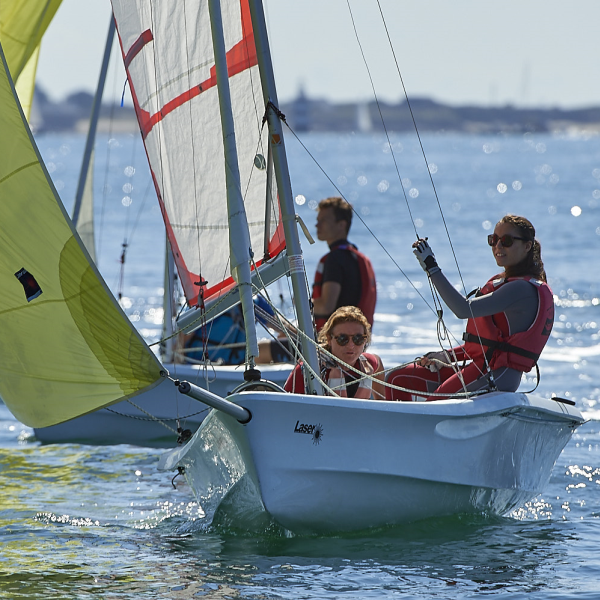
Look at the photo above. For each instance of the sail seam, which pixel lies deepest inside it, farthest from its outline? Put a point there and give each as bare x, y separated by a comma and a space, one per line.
173, 81
12, 173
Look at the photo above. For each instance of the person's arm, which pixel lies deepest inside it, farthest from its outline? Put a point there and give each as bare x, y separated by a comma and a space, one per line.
325, 305
514, 295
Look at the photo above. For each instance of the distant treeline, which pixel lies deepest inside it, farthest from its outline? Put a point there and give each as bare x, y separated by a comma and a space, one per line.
304, 114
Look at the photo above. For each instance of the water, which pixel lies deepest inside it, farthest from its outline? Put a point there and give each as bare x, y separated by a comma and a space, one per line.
102, 522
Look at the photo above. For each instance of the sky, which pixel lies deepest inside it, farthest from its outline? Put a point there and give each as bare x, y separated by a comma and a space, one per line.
536, 53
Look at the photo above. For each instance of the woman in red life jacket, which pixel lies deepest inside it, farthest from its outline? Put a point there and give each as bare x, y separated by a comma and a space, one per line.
346, 334
509, 321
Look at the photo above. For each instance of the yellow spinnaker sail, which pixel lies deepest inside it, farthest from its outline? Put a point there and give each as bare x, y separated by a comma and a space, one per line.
25, 85
68, 349
22, 25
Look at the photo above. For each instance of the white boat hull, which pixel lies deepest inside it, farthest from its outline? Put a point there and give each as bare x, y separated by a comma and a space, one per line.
327, 464
164, 408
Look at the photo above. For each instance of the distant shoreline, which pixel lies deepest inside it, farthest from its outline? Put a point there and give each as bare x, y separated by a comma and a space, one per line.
305, 114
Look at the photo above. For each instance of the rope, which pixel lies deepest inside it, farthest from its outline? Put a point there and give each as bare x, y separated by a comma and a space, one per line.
323, 351
152, 417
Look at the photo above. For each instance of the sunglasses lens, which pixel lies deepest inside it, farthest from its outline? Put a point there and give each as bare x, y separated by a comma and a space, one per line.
507, 240
344, 338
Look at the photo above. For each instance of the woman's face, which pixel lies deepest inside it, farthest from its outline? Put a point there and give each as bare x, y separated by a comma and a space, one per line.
509, 256
350, 351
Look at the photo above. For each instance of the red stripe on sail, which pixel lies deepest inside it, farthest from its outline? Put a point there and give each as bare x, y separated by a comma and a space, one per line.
144, 39
240, 57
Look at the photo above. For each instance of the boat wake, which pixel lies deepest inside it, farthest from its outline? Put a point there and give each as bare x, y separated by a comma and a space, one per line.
226, 493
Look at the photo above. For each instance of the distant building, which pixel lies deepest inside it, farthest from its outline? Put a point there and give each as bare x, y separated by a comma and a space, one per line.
299, 112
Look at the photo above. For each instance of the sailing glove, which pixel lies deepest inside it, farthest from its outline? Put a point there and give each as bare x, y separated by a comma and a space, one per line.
426, 258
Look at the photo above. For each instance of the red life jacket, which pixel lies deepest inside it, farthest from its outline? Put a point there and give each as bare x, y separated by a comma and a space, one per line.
368, 286
491, 335
295, 380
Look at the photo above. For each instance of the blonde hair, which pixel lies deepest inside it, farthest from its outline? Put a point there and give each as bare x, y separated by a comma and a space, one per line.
344, 314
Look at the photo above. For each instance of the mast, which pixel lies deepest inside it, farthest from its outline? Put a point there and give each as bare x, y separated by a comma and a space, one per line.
89, 144
167, 347
239, 235
284, 188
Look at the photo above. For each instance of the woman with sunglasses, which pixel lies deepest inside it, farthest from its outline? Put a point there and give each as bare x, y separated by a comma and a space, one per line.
508, 321
345, 335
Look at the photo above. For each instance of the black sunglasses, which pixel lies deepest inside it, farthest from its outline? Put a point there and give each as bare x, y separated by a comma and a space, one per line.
358, 339
506, 239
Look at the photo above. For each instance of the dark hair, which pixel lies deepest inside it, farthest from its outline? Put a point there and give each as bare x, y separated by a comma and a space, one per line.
532, 264
342, 210
344, 314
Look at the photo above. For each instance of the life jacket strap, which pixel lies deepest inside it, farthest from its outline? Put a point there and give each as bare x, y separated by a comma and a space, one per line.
502, 346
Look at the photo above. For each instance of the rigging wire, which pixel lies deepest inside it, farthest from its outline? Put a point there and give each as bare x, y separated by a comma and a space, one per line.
412, 116
434, 190
434, 295
385, 250
105, 186
434, 292
205, 330
391, 146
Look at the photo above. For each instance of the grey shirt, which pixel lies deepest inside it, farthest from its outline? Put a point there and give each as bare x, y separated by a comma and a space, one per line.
518, 300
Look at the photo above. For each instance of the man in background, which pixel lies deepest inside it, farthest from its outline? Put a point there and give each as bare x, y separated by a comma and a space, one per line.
344, 276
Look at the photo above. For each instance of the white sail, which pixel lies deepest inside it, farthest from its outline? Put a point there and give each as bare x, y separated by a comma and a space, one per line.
168, 54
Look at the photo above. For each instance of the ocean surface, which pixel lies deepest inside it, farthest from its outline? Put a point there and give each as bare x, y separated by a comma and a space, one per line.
82, 521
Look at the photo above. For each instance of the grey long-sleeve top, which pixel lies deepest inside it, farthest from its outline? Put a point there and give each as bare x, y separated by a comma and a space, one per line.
518, 300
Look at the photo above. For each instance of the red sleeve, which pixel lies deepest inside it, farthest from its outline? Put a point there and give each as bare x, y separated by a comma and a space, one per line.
295, 381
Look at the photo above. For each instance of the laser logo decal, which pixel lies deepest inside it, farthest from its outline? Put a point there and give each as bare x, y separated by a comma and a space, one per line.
315, 430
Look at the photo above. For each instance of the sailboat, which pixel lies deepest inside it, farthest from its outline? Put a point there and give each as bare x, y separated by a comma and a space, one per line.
314, 463
207, 108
